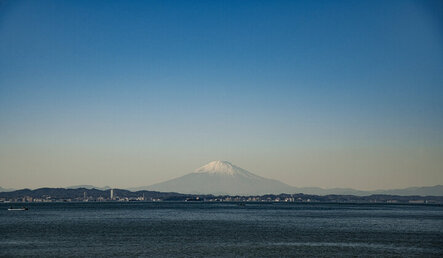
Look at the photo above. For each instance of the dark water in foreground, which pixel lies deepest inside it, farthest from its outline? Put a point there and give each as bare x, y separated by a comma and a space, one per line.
221, 229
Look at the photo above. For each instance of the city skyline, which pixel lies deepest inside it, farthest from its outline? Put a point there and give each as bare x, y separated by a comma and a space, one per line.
311, 93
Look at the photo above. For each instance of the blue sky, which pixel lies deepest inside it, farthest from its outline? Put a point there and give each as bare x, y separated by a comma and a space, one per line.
316, 93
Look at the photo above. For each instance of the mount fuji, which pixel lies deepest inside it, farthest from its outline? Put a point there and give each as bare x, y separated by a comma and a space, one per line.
222, 177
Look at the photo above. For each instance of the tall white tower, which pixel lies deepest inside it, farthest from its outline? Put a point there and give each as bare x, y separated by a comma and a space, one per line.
112, 194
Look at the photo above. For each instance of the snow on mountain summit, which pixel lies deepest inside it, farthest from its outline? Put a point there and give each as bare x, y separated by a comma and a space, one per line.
222, 167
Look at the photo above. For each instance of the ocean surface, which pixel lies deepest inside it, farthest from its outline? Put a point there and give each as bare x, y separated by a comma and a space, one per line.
169, 229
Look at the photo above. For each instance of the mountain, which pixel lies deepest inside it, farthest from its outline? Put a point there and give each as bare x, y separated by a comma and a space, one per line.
436, 190
6, 189
221, 177
94, 195
322, 191
61, 194
88, 187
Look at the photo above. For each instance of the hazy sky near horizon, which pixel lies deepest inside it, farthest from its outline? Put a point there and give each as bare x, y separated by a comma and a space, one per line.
131, 93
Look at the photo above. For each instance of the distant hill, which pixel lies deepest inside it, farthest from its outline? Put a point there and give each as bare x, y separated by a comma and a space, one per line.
423, 191
323, 191
420, 191
91, 195
80, 193
89, 187
6, 189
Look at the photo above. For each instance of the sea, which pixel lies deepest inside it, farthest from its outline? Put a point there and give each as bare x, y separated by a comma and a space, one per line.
204, 229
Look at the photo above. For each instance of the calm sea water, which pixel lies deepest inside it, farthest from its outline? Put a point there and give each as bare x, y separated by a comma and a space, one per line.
221, 229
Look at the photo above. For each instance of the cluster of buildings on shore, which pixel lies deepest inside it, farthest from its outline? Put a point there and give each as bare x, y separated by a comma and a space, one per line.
255, 199
304, 200
85, 198
111, 195
114, 198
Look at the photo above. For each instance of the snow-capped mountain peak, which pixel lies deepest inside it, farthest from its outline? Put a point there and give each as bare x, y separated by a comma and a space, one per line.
222, 177
222, 167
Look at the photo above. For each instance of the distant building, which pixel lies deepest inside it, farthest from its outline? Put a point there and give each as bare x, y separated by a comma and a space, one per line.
112, 194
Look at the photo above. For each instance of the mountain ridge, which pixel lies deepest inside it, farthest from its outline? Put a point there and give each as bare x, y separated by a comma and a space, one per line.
232, 178
223, 178
436, 190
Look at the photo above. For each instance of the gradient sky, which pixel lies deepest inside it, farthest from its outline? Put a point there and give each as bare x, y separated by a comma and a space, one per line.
131, 93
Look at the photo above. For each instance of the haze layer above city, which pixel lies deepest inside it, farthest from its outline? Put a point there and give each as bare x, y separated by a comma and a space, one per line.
311, 93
